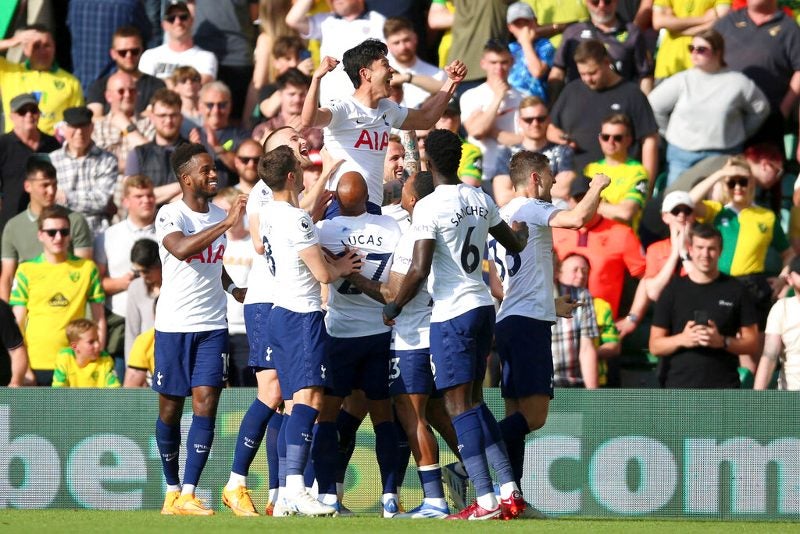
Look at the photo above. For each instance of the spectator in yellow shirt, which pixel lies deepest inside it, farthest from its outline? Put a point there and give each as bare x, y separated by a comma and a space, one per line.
83, 364
624, 199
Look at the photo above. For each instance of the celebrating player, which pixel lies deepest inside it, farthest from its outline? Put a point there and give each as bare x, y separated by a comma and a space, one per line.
191, 328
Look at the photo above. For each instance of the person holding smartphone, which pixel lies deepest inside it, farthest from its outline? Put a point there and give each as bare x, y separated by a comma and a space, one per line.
703, 321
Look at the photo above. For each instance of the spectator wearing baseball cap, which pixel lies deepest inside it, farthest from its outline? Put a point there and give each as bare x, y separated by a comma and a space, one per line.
87, 175
666, 257
533, 54
24, 139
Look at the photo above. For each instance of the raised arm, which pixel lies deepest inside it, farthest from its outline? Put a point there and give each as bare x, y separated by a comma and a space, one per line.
297, 17
183, 246
431, 111
583, 212
312, 115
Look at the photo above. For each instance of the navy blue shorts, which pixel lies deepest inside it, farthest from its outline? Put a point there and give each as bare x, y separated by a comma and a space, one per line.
300, 345
255, 322
361, 363
459, 347
334, 211
187, 360
411, 373
526, 356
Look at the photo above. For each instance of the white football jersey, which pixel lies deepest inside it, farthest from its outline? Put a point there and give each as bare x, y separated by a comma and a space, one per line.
260, 280
350, 312
192, 297
412, 327
285, 231
359, 135
458, 217
528, 276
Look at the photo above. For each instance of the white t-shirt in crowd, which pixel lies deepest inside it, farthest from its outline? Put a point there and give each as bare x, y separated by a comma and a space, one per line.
477, 99
350, 312
337, 36
412, 327
286, 231
359, 135
112, 248
259, 280
192, 298
784, 320
528, 276
162, 60
458, 217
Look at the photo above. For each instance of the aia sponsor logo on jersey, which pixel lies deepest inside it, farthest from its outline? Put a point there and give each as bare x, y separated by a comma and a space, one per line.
209, 255
372, 140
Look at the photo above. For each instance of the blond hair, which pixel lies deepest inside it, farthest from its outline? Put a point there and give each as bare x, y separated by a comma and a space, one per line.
77, 327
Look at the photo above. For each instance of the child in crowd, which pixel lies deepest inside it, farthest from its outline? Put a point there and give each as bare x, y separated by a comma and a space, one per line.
83, 364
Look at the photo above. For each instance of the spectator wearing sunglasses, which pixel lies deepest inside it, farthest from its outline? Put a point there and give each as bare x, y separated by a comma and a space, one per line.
682, 20
179, 49
126, 49
624, 199
707, 110
748, 232
217, 134
19, 235
122, 129
92, 24
666, 257
24, 140
53, 289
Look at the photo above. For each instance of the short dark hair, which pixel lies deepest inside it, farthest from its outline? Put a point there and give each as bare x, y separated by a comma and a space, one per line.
496, 46
525, 162
591, 50
166, 97
423, 184
183, 154
705, 231
52, 212
127, 30
361, 56
144, 252
275, 165
443, 148
396, 24
39, 163
293, 77
41, 28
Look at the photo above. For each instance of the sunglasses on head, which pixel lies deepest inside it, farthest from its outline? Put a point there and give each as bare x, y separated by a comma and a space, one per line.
183, 17
616, 137
211, 105
129, 51
246, 160
537, 118
741, 181
702, 50
63, 232
677, 210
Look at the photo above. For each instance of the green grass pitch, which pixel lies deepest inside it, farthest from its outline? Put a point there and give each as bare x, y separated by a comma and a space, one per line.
86, 521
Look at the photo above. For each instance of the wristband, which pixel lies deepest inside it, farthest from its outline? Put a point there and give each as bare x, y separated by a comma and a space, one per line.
392, 310
231, 288
410, 77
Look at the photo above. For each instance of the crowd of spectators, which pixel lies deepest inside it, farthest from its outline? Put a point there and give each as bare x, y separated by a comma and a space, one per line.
690, 107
